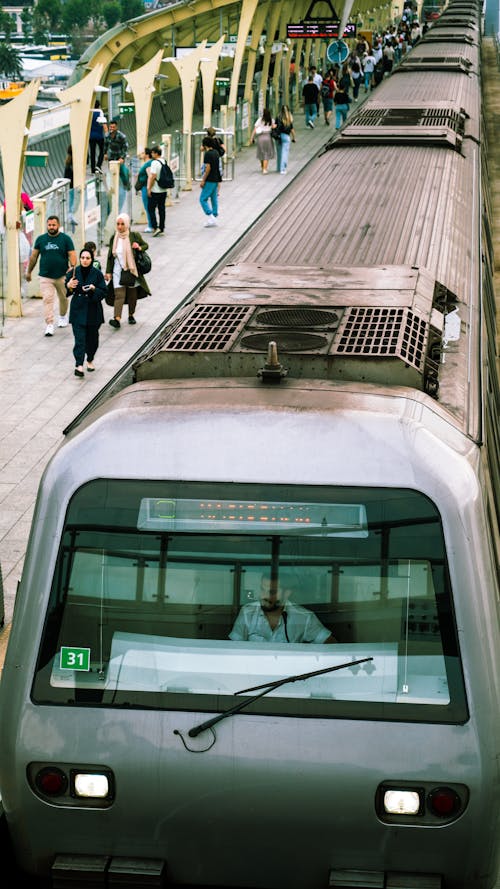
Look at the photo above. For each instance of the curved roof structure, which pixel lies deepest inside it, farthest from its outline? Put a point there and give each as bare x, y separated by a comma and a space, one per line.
186, 23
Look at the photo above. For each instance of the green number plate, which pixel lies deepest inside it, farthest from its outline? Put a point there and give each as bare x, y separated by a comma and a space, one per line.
75, 658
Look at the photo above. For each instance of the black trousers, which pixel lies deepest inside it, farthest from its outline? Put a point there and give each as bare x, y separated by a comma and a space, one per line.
157, 200
95, 144
86, 342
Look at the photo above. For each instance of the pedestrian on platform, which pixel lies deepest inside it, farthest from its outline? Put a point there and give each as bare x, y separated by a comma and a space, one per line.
341, 100
141, 185
92, 247
57, 253
286, 133
115, 144
116, 149
310, 94
98, 129
87, 288
219, 147
318, 80
68, 174
120, 266
209, 197
261, 135
327, 92
368, 62
156, 194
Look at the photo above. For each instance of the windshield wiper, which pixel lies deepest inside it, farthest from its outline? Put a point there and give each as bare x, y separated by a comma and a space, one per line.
267, 686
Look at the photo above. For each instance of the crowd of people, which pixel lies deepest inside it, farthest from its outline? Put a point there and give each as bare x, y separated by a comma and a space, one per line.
339, 86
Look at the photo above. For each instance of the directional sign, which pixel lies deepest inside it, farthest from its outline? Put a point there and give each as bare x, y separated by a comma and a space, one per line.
318, 28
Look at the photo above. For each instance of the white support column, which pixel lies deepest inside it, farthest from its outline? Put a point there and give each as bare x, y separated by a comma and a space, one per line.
142, 83
248, 8
80, 99
15, 118
208, 69
187, 68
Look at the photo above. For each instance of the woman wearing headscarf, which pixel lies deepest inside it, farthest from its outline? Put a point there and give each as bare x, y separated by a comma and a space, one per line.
120, 262
87, 288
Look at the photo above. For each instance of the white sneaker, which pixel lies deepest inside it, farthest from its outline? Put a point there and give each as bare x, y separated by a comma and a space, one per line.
49, 330
63, 321
210, 222
148, 230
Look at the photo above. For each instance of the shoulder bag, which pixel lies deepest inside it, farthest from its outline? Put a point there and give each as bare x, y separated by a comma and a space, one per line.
142, 261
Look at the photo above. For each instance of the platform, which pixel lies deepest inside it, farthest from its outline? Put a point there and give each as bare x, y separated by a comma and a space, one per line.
39, 394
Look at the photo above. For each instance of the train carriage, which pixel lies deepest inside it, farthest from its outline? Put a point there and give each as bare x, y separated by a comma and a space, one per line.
313, 433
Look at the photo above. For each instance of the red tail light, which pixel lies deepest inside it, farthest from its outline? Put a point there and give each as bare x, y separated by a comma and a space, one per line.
51, 781
443, 802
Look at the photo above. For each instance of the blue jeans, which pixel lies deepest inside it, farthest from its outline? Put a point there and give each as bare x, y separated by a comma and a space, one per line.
209, 193
144, 193
282, 151
311, 111
341, 112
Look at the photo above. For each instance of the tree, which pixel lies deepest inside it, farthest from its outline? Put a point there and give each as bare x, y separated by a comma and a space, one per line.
47, 17
131, 9
6, 23
10, 63
111, 13
75, 15
27, 23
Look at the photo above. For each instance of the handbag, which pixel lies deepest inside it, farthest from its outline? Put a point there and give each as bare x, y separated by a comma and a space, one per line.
142, 261
127, 278
276, 132
109, 299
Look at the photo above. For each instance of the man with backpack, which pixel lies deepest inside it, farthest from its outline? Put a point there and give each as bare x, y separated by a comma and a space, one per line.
160, 179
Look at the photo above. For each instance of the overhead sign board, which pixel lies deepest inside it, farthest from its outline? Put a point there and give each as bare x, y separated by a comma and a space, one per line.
318, 28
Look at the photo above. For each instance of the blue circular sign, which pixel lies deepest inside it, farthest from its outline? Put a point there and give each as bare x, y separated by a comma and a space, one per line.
337, 52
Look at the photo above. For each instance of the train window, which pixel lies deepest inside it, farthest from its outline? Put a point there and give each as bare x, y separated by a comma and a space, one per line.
179, 614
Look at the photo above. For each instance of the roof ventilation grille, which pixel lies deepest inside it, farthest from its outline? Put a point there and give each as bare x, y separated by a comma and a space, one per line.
286, 341
301, 316
382, 332
208, 328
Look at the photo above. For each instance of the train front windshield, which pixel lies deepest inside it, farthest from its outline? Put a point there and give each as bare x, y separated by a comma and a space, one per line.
178, 596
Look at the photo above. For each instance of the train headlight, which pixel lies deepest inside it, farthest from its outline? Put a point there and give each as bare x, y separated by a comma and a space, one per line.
402, 802
90, 785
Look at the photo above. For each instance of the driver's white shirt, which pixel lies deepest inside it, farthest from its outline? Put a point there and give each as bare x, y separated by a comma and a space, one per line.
301, 626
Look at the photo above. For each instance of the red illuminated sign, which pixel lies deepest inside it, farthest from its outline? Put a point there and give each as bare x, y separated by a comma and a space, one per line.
317, 28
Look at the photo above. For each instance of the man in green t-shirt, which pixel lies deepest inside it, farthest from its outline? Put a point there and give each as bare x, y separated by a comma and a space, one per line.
57, 253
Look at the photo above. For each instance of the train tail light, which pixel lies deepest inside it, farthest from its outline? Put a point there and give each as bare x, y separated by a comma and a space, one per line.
444, 802
51, 781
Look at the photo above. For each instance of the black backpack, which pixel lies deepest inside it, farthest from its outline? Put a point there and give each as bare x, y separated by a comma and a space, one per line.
166, 177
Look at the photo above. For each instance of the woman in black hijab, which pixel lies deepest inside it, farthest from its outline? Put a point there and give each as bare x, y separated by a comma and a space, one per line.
87, 288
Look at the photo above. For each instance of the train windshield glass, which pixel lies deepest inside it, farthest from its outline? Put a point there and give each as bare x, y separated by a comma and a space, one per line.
179, 596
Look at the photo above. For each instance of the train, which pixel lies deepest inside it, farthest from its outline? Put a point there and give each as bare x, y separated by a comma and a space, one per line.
256, 639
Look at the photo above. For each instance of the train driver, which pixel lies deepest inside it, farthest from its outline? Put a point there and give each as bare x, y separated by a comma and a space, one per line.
276, 619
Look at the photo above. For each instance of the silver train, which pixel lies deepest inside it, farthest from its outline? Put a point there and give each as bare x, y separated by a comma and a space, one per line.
309, 454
